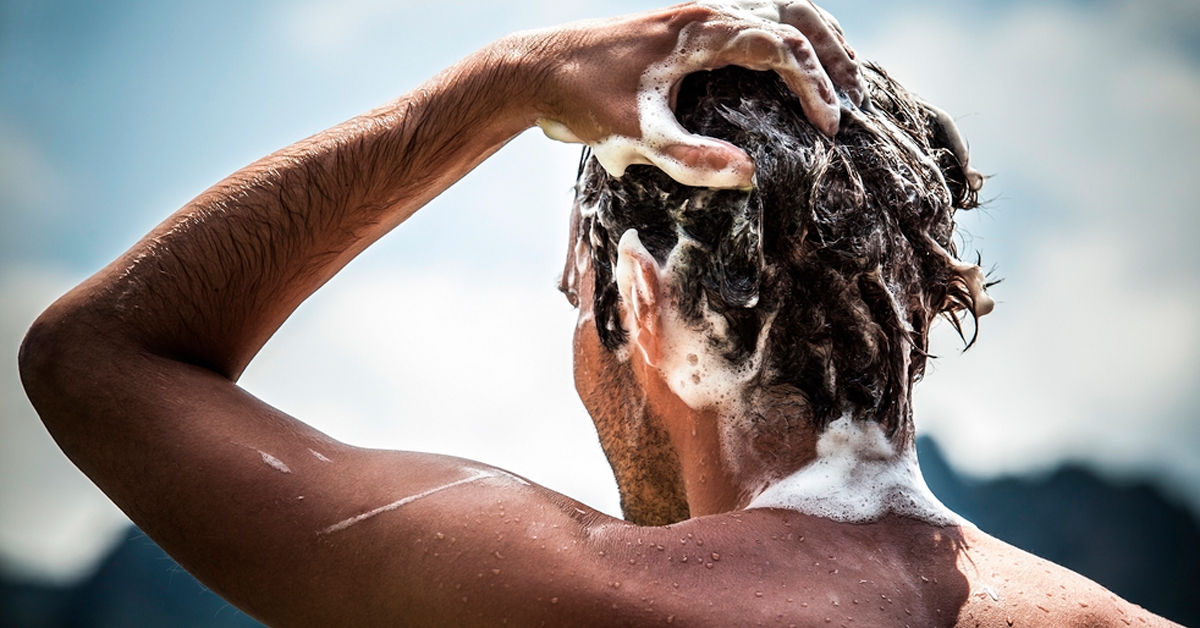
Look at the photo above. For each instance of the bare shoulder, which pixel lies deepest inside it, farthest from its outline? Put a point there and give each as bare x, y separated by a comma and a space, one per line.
1011, 587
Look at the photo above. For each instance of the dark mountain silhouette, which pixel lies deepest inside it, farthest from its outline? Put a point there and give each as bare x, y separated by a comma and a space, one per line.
137, 586
1126, 537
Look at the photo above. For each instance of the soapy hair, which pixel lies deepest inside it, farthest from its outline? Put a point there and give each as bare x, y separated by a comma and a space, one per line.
842, 253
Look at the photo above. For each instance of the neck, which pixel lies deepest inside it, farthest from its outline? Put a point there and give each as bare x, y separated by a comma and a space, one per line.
848, 472
858, 475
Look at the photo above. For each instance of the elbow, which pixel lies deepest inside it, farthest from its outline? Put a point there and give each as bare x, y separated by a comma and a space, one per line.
40, 360
57, 356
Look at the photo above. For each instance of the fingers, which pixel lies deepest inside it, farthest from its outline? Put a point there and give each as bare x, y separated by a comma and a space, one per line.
765, 46
705, 162
829, 44
689, 159
793, 38
792, 57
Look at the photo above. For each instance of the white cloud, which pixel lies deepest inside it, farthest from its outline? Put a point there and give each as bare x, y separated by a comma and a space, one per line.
54, 523
460, 364
1094, 351
335, 31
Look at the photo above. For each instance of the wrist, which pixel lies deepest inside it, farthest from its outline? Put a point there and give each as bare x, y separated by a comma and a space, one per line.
526, 67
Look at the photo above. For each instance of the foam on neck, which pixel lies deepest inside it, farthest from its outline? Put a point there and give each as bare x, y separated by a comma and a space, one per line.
858, 477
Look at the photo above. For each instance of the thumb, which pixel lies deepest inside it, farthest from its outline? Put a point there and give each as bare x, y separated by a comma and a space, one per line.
702, 162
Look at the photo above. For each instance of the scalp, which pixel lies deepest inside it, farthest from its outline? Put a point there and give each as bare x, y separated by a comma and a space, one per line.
844, 243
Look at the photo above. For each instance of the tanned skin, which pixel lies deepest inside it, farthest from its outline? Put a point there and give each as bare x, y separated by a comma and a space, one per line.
134, 374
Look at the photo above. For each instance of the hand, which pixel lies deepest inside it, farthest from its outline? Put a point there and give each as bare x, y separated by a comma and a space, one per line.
616, 80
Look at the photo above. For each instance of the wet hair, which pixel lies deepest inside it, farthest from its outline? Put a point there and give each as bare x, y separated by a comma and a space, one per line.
842, 254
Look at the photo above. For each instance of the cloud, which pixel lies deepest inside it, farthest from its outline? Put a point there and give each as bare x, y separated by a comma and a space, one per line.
332, 33
32, 193
1092, 126
465, 364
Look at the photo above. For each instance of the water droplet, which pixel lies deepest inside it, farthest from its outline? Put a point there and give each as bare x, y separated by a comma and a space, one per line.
616, 585
716, 557
440, 536
554, 600
758, 594
632, 561
700, 542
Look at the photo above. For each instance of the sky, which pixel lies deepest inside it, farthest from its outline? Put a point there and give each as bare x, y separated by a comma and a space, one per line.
448, 335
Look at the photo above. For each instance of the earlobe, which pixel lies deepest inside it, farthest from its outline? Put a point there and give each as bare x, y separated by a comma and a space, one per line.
639, 286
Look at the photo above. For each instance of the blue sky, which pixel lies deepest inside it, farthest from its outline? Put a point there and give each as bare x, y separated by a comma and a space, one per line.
1087, 114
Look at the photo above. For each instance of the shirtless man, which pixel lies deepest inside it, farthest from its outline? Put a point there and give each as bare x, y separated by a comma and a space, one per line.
753, 398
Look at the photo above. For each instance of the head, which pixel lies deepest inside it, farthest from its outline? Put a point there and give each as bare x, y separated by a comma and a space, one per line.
784, 307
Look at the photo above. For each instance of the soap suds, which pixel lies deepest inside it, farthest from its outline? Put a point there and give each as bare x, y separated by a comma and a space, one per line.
319, 456
663, 142
274, 463
693, 359
858, 477
346, 523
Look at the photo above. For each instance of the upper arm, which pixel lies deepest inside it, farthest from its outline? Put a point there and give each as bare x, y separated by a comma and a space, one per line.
292, 526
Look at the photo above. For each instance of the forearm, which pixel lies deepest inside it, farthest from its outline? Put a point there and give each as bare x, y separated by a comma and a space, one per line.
214, 281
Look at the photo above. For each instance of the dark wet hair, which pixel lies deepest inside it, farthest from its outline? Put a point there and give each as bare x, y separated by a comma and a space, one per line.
845, 241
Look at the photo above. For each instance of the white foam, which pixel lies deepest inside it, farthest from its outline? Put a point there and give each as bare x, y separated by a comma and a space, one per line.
274, 463
691, 358
858, 476
698, 48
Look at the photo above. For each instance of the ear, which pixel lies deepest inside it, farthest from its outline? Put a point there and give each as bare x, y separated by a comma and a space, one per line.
639, 284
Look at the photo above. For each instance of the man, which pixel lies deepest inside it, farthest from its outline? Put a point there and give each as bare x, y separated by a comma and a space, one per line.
746, 350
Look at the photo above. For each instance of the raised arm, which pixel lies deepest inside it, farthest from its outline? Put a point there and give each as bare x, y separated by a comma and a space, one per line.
134, 371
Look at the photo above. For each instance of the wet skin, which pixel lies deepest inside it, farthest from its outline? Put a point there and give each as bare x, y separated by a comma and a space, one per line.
134, 374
